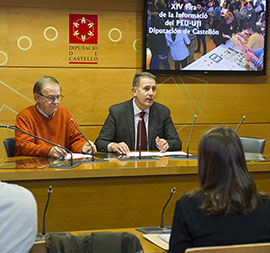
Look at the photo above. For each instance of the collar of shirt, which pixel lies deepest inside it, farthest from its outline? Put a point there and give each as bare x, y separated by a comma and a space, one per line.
137, 110
43, 113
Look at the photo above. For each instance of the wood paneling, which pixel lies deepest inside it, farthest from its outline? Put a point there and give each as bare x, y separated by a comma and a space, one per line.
113, 193
90, 90
134, 5
32, 22
89, 93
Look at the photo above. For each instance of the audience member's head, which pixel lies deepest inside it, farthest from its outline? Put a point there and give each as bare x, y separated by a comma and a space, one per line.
253, 28
229, 17
224, 178
250, 4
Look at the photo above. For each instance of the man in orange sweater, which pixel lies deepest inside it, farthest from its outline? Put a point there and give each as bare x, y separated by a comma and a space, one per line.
48, 121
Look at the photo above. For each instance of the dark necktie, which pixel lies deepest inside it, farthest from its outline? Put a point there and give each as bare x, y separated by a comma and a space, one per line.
143, 133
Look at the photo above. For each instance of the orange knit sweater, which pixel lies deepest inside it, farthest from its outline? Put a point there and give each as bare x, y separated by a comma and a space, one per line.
58, 129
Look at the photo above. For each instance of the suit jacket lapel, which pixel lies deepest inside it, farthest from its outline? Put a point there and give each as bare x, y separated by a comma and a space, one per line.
130, 122
152, 126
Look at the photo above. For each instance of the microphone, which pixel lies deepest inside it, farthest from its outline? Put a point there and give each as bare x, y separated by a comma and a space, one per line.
161, 229
43, 235
50, 190
173, 190
140, 138
191, 131
93, 158
240, 123
56, 145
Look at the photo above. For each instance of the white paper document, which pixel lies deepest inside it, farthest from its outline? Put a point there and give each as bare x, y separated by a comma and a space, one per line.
77, 156
131, 154
165, 237
161, 240
146, 153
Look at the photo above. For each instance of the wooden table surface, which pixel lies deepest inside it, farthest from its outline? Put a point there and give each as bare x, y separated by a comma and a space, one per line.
110, 193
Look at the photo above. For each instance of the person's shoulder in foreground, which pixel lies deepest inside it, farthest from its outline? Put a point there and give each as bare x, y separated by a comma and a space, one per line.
195, 227
227, 208
18, 218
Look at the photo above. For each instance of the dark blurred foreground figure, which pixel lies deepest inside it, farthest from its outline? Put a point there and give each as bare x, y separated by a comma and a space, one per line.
227, 208
96, 242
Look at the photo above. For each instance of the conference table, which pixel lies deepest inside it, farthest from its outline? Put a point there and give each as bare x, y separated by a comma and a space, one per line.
110, 192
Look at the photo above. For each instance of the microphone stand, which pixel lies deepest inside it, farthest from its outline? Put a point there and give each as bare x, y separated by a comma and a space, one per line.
49, 142
50, 190
161, 229
173, 190
191, 131
240, 123
43, 236
93, 158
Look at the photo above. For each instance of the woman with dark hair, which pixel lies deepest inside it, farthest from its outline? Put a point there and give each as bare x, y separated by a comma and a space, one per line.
227, 208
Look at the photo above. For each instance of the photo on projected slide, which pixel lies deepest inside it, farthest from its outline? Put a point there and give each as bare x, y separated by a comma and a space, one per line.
205, 36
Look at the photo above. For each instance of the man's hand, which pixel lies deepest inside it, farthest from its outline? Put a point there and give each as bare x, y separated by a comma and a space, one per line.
162, 144
57, 152
86, 149
120, 148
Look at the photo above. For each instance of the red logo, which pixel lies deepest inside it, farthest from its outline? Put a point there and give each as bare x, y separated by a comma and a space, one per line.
83, 29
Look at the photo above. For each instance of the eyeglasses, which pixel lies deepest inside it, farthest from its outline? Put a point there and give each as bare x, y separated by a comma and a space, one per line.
52, 98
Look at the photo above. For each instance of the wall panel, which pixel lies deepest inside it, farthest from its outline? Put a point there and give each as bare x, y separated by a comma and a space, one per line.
123, 5
33, 22
90, 90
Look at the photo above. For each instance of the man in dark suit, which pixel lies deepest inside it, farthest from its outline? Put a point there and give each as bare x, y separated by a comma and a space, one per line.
120, 132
